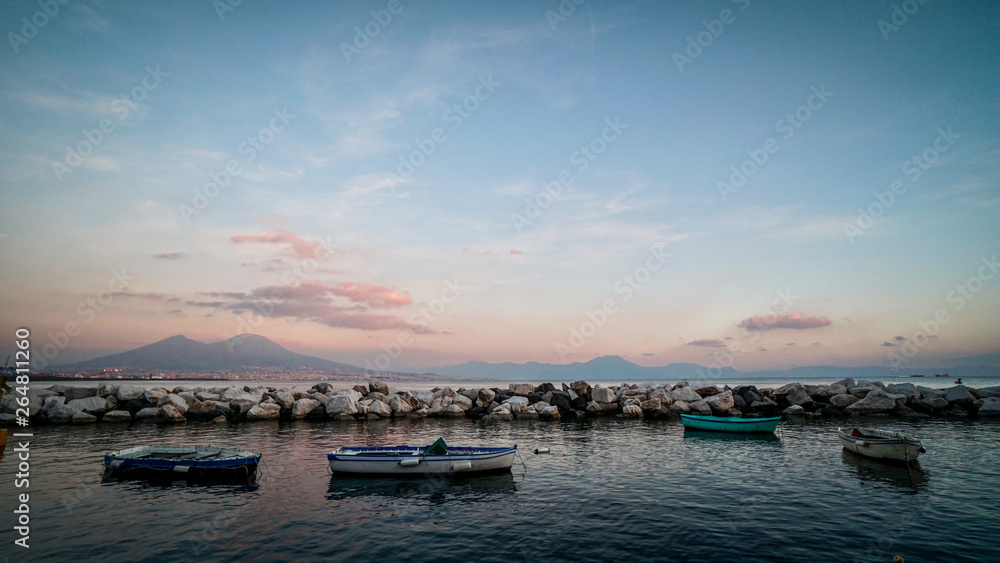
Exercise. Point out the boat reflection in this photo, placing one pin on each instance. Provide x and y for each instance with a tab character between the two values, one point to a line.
876	471
694	435
219	486
438	490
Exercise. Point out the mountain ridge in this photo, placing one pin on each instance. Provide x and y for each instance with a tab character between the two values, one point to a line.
180	353
597	369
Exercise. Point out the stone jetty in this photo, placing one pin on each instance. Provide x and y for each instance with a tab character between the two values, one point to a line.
113	403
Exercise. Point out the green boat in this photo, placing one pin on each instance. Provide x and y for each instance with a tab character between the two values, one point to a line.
730	424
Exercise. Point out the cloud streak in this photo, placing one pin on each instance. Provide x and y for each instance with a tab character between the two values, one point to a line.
771	322
372	295
708	343
298	247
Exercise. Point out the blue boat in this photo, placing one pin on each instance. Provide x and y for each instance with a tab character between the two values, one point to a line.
730	424
181	461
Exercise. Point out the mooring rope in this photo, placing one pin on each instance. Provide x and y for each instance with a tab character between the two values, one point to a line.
523	466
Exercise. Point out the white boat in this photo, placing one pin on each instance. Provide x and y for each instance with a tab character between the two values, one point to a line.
881	444
435	459
186	461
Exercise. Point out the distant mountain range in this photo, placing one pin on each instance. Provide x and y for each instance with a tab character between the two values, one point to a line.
610	368
603	368
180	353
249	353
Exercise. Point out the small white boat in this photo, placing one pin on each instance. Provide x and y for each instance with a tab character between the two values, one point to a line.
181	461
881	444
435	459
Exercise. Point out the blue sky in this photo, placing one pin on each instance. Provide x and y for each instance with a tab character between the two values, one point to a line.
321	241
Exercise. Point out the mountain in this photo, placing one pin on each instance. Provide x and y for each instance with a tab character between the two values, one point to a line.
616	368
179	353
599	369
986	360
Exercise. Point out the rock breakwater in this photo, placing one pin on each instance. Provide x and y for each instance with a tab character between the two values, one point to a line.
112	403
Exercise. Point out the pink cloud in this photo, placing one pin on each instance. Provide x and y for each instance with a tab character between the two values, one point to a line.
371	294
515	252
769	322
300	247
330	315
313	301
709	343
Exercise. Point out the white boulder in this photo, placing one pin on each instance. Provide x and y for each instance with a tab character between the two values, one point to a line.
117	416
399	405
302	407
175	401
264	411
603	395
130	393
90	405
632	411
462	402
685	394
380	408
341	405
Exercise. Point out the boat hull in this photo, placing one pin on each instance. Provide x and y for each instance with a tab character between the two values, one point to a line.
730	424
406	461
192	462
885	446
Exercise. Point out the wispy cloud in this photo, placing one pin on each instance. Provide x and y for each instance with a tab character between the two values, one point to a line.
716	343
771	322
149	295
298	247
371	294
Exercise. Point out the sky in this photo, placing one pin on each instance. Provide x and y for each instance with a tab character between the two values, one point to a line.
412	184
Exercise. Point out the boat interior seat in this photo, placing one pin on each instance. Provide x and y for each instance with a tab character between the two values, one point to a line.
857	433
